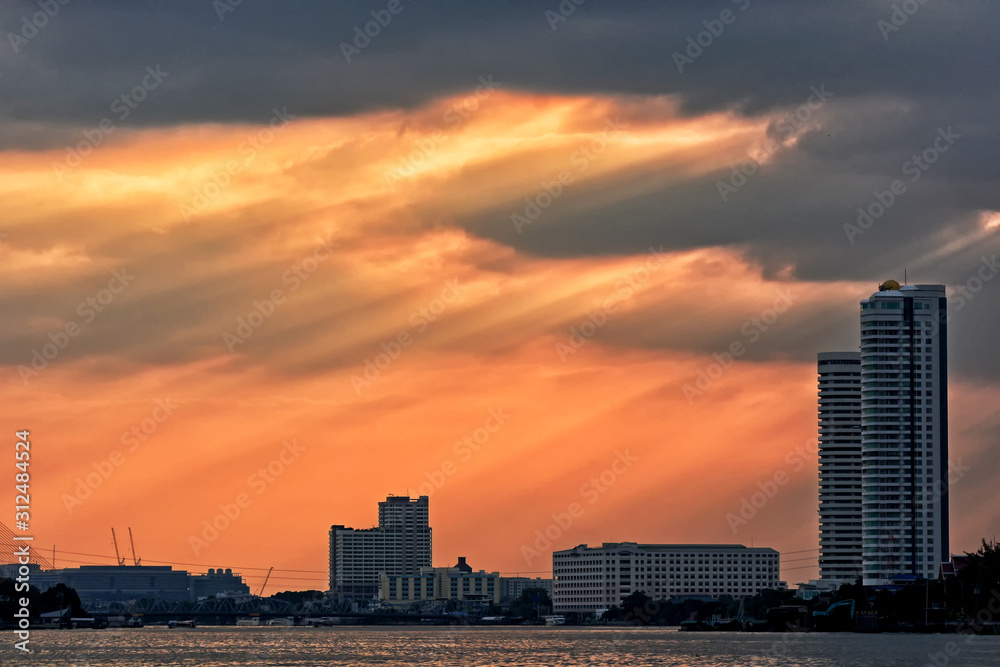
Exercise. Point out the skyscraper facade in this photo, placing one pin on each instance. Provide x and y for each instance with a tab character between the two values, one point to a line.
840	542
904	431
400	545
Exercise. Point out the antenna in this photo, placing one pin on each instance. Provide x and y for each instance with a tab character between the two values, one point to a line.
119	559
134	560
904	274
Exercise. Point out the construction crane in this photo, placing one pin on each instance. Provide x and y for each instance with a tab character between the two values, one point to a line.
119	559
260	593
135	561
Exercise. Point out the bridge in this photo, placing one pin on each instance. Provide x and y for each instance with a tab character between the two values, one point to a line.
226	611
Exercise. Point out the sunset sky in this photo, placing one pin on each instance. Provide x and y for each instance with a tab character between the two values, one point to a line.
237	239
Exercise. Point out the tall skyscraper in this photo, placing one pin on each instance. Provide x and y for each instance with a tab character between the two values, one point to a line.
904	431
840	543
400	545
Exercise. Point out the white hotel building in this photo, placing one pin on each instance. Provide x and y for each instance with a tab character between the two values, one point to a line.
590	579
904	431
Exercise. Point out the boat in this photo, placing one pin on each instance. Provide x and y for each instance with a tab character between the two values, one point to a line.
181	624
281	621
555	620
253	621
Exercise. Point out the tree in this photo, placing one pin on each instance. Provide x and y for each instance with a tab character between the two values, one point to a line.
985	563
526	606
613	613
982	574
10	600
58	598
639	609
298	597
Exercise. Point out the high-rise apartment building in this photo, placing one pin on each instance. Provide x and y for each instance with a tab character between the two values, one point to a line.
400	545
904	431
410	519
840	542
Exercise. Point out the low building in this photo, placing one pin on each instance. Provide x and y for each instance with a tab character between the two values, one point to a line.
512	587
590	579
217	582
459	582
127	582
13	570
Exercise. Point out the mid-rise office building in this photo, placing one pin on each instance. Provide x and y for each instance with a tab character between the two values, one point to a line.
839	467
400	545
441	583
512	587
904	431
591	579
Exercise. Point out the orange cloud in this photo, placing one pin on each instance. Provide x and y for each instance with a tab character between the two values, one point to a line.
395	335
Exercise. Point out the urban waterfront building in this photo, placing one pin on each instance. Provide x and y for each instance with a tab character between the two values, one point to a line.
592	579
102	583
217	582
840	543
400	545
904	432
459	582
512	587
127	582
36	575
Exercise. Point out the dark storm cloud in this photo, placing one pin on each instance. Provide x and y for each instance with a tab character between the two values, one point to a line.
766	57
891	91
895	86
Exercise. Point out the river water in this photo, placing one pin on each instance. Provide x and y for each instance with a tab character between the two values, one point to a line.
465	647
